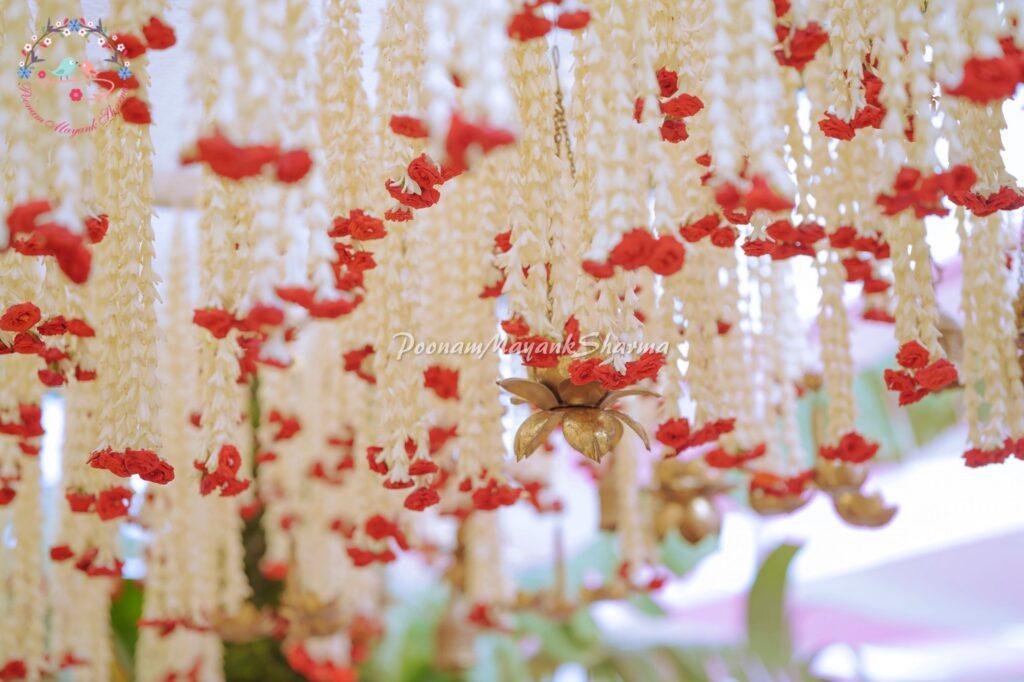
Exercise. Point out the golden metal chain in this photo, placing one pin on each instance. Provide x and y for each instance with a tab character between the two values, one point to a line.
561	124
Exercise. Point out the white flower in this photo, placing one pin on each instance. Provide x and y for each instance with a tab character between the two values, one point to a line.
113	37
101	41
120	47
82	31
35	38
28	47
127	63
91	24
47	41
58	23
66	32
21	63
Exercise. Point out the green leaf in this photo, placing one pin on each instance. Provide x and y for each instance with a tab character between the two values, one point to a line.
767	624
645	605
125	611
257	661
680	557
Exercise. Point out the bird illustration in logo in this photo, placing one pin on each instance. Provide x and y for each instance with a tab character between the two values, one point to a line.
88	69
66	68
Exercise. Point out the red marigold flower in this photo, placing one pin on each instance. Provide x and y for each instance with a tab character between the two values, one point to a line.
133	46
526	26
912	355
96	227
937	375
134	110
408	126
293	165
442	381
159	36
113	502
79	327
421	498
675	433
217	322
634	250
667	257
20	317
835	127
573	21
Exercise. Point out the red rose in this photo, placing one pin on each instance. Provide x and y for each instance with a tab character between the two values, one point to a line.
673	130
20	317
60	553
79	327
27	344
674	433
217	322
96	227
113	502
667	257
725	236
292	166
161	473
421	498
699	229
408	126
51	378
634	250
442	381
134	110
937	375
856	269
598	270
159	36
364	227
526	26
572	21
55	326
646	366
681	105
842	237
584	371
668	82
912	355
758	247
835	127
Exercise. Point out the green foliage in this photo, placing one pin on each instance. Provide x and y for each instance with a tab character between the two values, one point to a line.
406	654
125	611
680	557
768	630
599	558
259	661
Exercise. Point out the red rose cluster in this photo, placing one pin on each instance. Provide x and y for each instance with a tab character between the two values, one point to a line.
527	23
1004	199
408	126
920	375
798	47
26	428
870	115
24	321
861	258
758	196
678	435
422	497
674	106
225	476
144	463
785	241
638	248
977	457
502	244
539	351
467	137
491	495
234	162
589	370
923	193
994	78
30	238
427	176
719	458
852	448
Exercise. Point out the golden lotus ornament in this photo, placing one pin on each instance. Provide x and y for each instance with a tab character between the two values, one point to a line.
866	511
766	504
248	624
838	477
310	616
584	412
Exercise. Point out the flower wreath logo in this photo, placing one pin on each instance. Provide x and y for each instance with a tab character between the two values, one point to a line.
73	77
